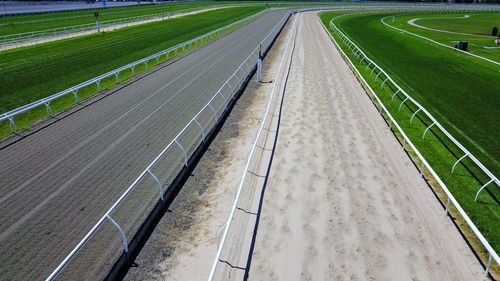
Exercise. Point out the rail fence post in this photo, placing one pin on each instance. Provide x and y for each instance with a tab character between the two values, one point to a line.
383	83
75	94
224	98
427	129
401	105
219	233
216	117
394	95
49	110
201	129
447	209
489	264
12	124
414	114
482	187
456	163
368	65
117	79
183	152
120	230
158	183
259	65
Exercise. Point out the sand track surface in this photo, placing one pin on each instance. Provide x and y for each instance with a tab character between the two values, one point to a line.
343	201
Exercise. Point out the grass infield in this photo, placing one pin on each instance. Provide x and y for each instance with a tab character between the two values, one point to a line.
471	24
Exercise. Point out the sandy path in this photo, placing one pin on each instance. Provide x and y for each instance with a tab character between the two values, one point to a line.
343	200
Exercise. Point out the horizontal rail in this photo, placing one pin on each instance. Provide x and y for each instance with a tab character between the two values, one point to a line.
247	65
492	253
96	80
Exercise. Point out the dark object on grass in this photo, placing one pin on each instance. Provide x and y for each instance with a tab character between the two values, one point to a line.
494	31
462	45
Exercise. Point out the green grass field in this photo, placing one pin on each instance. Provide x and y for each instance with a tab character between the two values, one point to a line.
32	23
31	73
21	24
480	24
459	91
467	23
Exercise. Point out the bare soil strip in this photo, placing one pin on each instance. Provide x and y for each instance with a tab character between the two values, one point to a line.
343	201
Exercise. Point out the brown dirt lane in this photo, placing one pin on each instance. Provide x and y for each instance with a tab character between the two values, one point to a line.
56	183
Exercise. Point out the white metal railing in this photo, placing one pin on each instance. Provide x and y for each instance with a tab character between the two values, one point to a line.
226	227
42	36
176	50
199	125
361	57
8	14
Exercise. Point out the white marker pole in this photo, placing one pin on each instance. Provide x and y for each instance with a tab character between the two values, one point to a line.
259	66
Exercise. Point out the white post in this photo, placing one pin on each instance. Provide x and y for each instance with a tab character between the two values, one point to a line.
259	70
259	65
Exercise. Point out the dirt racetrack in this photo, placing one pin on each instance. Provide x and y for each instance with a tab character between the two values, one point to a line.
343	201
56	183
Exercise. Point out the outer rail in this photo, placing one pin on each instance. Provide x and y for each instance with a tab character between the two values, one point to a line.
361	56
231	85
